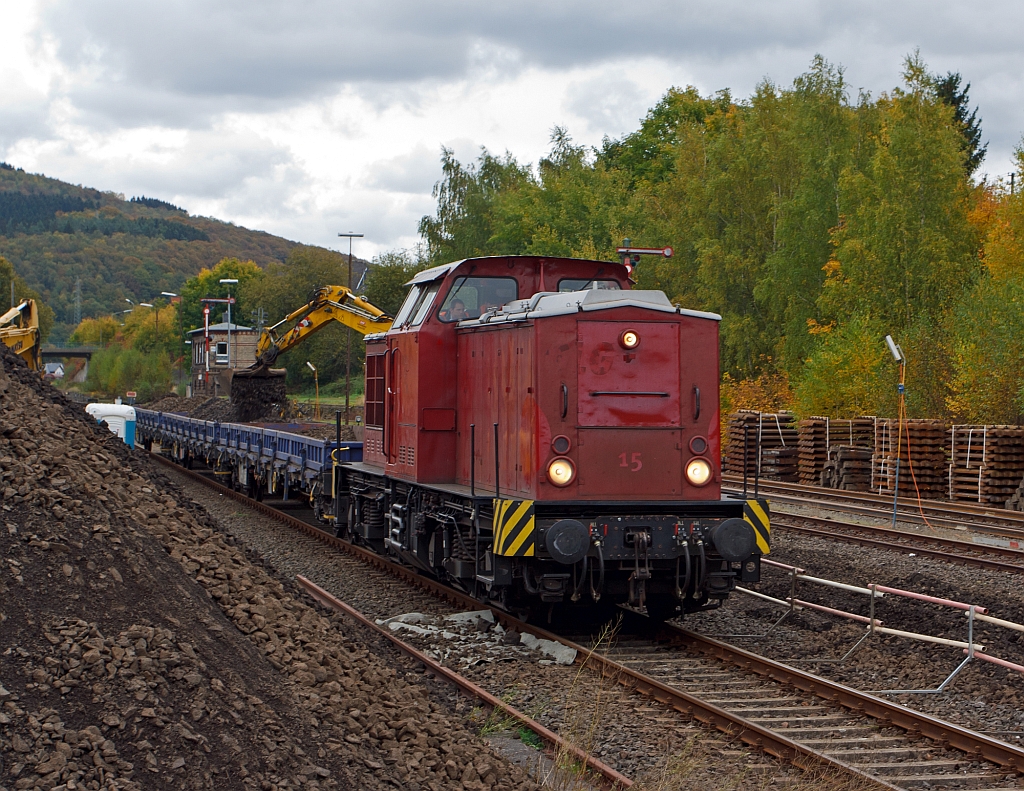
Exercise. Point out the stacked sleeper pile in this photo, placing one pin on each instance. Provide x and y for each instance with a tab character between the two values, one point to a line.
847	468
922	447
774	433
986	463
820	436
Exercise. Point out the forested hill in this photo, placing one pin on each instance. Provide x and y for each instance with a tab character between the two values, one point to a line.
55	233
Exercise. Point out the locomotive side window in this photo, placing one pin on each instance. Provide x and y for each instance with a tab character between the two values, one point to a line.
417	305
375	390
472	296
580	284
423	305
410	302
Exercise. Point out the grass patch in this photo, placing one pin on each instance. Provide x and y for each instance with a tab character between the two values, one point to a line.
529	738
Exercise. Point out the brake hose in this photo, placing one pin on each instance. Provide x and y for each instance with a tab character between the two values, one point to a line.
596	594
583	578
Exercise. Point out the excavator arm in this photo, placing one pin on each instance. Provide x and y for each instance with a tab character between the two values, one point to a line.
19	331
330	303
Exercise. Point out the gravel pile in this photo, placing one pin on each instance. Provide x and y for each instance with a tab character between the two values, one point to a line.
212	408
140	647
221	410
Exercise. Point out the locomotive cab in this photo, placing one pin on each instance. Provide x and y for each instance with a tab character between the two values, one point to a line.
538	432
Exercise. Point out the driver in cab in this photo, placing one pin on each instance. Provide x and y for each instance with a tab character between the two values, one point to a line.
456	311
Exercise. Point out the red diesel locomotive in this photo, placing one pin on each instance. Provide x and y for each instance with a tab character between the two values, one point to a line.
538	432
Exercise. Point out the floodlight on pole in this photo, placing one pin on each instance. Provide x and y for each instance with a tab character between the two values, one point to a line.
897	352
901	410
229	281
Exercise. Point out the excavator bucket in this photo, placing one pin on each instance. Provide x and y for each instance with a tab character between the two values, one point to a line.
257	392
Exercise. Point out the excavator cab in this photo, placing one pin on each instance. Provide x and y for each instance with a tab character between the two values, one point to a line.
19	331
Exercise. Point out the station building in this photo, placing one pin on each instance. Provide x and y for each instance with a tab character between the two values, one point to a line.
213	356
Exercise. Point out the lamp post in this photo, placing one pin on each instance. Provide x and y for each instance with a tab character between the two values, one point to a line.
316	380
151	305
171	296
901	361
229	281
348	332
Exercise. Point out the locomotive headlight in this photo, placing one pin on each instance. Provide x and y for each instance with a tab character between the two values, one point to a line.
629	339
561	472
698	471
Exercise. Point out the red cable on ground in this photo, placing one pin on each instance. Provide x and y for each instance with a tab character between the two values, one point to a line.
902	412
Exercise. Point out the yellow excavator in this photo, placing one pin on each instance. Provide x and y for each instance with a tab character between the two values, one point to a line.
19	331
253	388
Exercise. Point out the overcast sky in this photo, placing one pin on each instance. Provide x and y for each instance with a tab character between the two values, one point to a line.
310	117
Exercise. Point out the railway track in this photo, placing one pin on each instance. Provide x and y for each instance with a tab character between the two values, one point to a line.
794	715
963	553
960	515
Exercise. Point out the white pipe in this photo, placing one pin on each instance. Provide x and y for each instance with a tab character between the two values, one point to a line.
927	638
840	585
997	621
776	564
762	596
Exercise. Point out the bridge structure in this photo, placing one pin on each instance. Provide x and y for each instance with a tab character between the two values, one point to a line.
63	351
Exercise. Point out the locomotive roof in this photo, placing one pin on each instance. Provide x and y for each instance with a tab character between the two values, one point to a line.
437	272
548	303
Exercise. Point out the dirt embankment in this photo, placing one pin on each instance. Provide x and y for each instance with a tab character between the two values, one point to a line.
140	648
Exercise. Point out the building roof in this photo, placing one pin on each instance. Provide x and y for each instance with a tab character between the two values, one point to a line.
221	327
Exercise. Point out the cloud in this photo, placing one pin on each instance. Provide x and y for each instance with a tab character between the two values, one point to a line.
610	103
312	117
416	171
245	50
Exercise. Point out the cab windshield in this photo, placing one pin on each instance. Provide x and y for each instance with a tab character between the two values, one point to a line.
471	297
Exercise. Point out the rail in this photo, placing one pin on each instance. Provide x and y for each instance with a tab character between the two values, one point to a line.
958	513
965	553
612	778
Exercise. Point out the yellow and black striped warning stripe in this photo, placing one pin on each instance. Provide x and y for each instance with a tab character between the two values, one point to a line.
758	515
514	525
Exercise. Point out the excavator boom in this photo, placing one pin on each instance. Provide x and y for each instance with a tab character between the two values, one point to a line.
330	303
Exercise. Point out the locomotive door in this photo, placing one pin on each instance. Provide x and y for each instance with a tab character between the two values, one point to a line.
629	413
515	409
393	387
